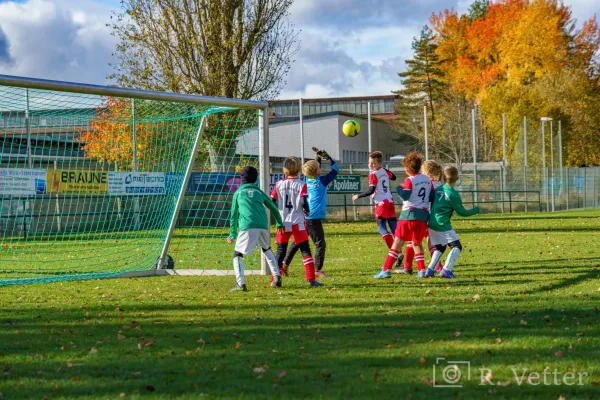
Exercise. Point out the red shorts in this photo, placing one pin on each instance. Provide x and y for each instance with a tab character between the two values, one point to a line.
386	210
411	231
298	235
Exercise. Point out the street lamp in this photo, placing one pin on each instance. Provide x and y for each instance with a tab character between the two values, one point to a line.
544	173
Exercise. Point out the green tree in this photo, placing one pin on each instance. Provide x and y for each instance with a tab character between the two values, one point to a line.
423	85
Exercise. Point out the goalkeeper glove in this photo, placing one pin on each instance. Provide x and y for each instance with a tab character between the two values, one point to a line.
321	153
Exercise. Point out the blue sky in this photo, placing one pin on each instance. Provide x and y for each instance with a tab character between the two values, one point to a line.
348	47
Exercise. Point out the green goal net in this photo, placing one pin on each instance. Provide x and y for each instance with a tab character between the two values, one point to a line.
90	183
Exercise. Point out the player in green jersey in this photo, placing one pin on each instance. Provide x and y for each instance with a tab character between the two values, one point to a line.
446	202
249	218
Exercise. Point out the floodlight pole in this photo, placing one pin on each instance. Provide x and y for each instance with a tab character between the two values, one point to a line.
369	126
265	168
525	159
552	164
503	158
544	172
474	156
301	132
425	132
560	159
162	261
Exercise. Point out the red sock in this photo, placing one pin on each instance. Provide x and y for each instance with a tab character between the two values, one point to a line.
420	259
409	254
388	239
431	251
309	267
390	260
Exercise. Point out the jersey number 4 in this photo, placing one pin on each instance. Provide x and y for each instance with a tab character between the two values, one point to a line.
288	204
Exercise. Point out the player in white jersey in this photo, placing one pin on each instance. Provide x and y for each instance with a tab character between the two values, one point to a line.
417	193
433	171
291	196
381	193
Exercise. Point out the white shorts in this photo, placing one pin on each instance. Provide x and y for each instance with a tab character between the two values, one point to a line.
442	238
247	240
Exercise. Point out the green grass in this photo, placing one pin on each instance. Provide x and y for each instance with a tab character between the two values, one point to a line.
527	297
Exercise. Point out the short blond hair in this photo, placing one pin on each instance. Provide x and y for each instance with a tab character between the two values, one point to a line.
432	169
376	156
450	175
310	168
291	166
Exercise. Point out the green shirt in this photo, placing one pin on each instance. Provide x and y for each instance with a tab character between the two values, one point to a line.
248	211
446	201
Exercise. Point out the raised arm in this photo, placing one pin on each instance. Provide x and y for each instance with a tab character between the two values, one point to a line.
327	179
457	205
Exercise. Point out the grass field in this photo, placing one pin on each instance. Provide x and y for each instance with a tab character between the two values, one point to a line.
526	299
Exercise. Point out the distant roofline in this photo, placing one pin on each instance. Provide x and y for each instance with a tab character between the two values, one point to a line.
327	99
281	120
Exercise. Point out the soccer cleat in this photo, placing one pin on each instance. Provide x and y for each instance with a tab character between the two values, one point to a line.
404	271
399	261
421	274
239	288
429	273
283	271
320	274
383	274
276	282
314	284
447	274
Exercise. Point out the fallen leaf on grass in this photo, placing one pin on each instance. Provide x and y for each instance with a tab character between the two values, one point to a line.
498	340
422	360
69	364
149	344
119	336
476	297
75	378
93	350
237	345
390	346
523	322
122	394
559	354
282	374
457	334
258	370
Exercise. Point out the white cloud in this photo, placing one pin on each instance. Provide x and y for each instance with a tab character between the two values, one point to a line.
64	39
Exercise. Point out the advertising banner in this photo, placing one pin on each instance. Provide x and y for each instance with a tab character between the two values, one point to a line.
136	183
77	182
19	182
345	184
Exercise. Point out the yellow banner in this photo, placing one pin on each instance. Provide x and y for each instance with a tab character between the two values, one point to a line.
77	182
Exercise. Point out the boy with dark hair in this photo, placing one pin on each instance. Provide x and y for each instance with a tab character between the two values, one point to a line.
446	202
379	190
416	194
317	200
248	216
291	195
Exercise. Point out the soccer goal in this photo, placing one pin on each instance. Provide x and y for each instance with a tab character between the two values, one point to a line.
99	181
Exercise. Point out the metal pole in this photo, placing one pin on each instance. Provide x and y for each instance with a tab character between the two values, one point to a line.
567	188
301	133
560	160
544	180
369	126
503	157
552	164
162	261
474	156
136	199
265	166
28	131
525	159
32	83
425	130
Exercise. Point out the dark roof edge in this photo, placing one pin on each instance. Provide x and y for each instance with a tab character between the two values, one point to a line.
323	100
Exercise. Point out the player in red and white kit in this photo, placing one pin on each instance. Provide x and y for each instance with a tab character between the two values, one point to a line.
416	193
291	196
380	191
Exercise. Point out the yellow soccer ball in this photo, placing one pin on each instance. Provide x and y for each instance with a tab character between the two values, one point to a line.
351	128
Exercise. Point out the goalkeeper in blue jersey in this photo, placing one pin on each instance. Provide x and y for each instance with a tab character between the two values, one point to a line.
317	200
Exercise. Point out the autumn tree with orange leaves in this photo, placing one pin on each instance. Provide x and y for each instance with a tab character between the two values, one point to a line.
522	58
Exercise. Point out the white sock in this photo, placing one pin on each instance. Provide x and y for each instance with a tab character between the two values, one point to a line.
435	259
451	260
238	267
272	262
